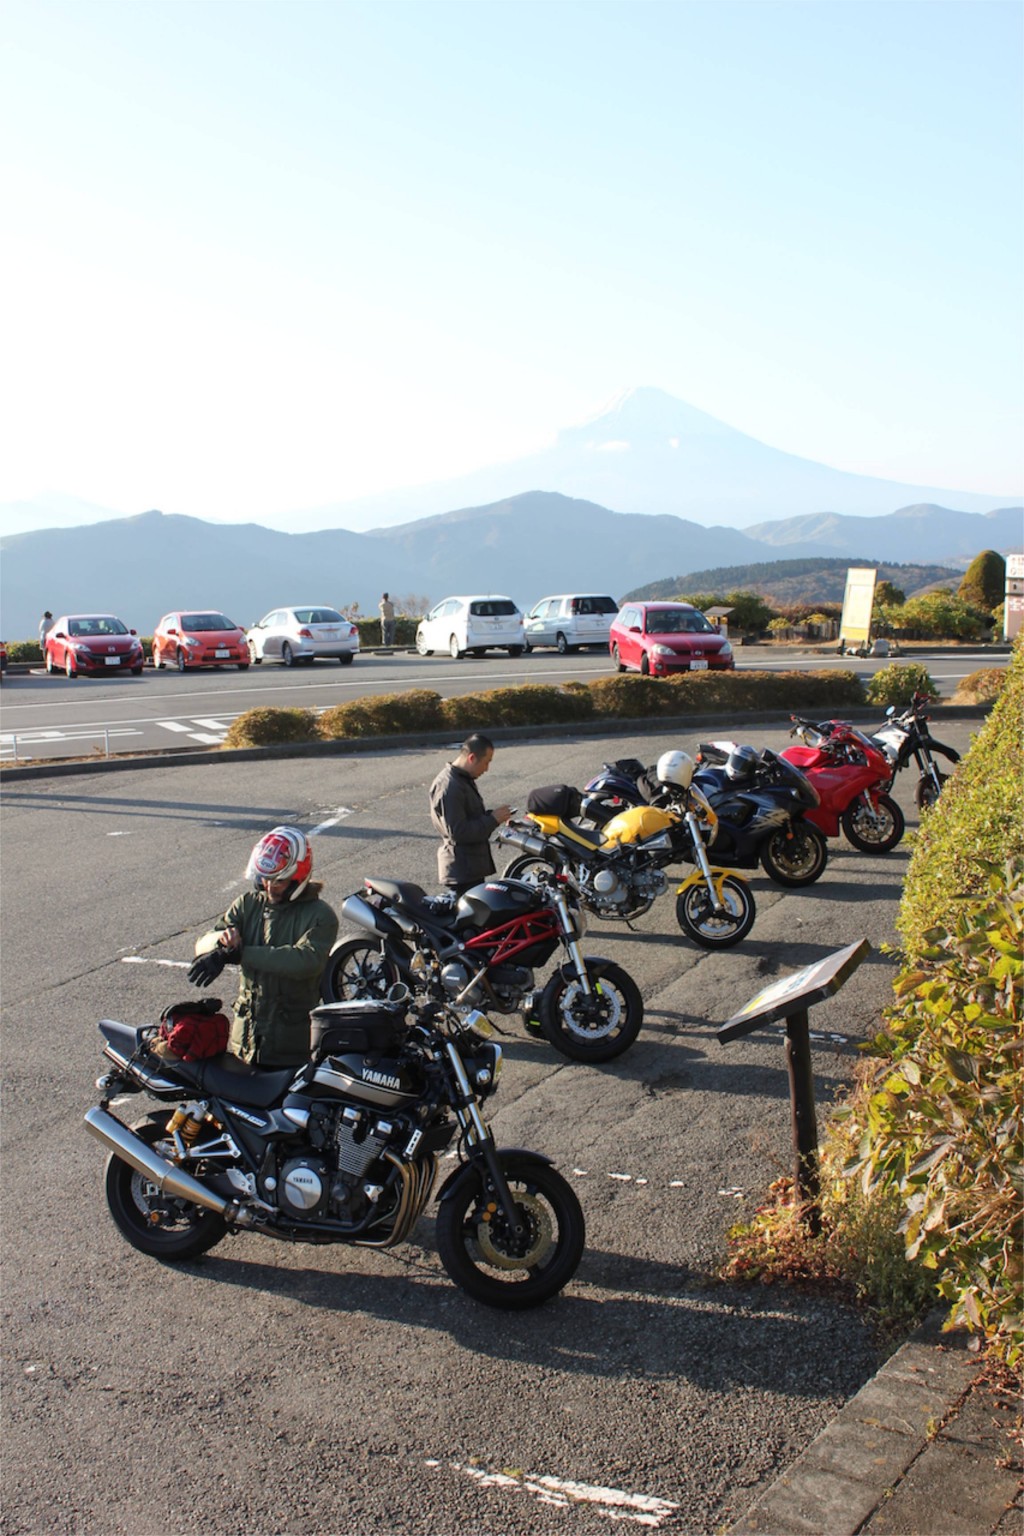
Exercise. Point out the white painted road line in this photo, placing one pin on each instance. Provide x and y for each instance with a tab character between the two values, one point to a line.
174	725
641	1508
212	725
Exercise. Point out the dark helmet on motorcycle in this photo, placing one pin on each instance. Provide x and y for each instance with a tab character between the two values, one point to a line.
741	763
675	768
283	854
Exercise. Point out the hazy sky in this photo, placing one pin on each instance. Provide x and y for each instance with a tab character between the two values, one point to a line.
267	255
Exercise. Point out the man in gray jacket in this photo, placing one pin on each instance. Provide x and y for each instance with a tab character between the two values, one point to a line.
458	812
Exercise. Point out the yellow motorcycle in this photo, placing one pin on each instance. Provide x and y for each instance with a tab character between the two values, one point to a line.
618	871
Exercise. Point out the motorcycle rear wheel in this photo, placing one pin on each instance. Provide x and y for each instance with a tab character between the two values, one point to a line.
507	1269
528	866
700	922
868	834
157	1224
795	857
595	1028
357	969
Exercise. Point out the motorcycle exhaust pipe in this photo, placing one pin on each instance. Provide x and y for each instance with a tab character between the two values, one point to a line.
167	1178
523	840
363	915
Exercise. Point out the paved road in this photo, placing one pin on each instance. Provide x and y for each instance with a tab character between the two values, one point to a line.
270	1388
53	717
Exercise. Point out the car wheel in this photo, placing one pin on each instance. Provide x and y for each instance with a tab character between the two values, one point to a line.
243	666
69	665
346	661
157	660
645	665
619	664
562	644
49	664
287	655
422	649
254	657
515	650
180	661
453	648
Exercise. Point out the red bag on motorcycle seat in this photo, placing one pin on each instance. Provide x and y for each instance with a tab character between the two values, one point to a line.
193	1031
560	800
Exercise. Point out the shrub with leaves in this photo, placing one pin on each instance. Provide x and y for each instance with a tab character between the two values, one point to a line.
944	1126
898	682
272	727
383	714
980	687
628	696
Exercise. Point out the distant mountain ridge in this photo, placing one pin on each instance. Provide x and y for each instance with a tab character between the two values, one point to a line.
527	546
794	581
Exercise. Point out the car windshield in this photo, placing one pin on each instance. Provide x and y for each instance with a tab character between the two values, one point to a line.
104	626
677	621
202	623
492	608
319	616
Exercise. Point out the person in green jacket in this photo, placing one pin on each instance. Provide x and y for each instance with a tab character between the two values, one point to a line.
279	935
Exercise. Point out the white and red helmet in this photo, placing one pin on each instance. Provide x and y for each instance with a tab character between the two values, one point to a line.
283	854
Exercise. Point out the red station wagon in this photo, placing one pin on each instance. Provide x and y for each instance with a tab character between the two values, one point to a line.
662	638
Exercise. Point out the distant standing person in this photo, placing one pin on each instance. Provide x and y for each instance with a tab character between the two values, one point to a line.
45	625
458	812
387	620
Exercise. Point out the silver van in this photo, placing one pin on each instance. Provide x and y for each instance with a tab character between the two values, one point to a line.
570	621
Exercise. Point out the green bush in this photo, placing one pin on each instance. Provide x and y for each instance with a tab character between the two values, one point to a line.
628	696
898	682
383	714
942	1123
272	727
980	687
470	712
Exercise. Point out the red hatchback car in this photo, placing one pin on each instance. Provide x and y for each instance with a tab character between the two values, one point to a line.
92	643
662	638
185	640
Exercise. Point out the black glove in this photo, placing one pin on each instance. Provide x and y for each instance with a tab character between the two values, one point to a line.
206	968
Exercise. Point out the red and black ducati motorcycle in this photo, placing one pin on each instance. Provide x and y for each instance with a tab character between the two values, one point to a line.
852	777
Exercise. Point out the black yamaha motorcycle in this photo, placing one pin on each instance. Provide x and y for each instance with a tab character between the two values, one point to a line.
341	1150
480	951
759	801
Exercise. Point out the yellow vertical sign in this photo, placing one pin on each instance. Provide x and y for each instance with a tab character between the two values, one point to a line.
858	601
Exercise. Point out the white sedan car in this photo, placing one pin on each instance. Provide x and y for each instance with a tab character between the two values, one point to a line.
291	635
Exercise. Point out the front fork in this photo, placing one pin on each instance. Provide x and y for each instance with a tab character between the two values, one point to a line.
478	1135
700	855
572	944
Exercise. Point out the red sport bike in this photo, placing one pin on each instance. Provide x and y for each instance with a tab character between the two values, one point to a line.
852	778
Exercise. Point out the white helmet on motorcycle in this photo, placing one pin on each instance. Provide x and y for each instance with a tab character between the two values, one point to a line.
741	763
283	854
675	768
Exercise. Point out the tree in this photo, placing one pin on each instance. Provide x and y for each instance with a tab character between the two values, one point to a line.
887	595
938	616
984	582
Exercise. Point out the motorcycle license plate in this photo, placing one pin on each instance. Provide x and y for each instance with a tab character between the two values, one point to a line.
698	666
112	661
222	655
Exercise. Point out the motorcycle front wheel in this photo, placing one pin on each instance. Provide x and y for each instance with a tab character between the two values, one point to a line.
160	1225
873	830
796	856
696	915
597	1027
926	792
502	1268
357	969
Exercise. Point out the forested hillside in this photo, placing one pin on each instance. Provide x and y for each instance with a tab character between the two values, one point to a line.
814	580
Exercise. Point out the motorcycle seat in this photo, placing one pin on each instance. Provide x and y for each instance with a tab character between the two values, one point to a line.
231	1078
410	897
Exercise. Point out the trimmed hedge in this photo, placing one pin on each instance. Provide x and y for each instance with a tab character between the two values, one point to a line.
626	696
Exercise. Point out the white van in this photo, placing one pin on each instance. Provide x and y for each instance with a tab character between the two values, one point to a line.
461	624
570	621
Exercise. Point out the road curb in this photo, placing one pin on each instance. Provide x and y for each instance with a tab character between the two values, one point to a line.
905	1414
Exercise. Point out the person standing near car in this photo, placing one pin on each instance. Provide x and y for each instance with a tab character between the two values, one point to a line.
45	625
387	620
279	934
458	812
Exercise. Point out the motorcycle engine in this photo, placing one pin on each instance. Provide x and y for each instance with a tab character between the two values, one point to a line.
335	1178
456	976
625	894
